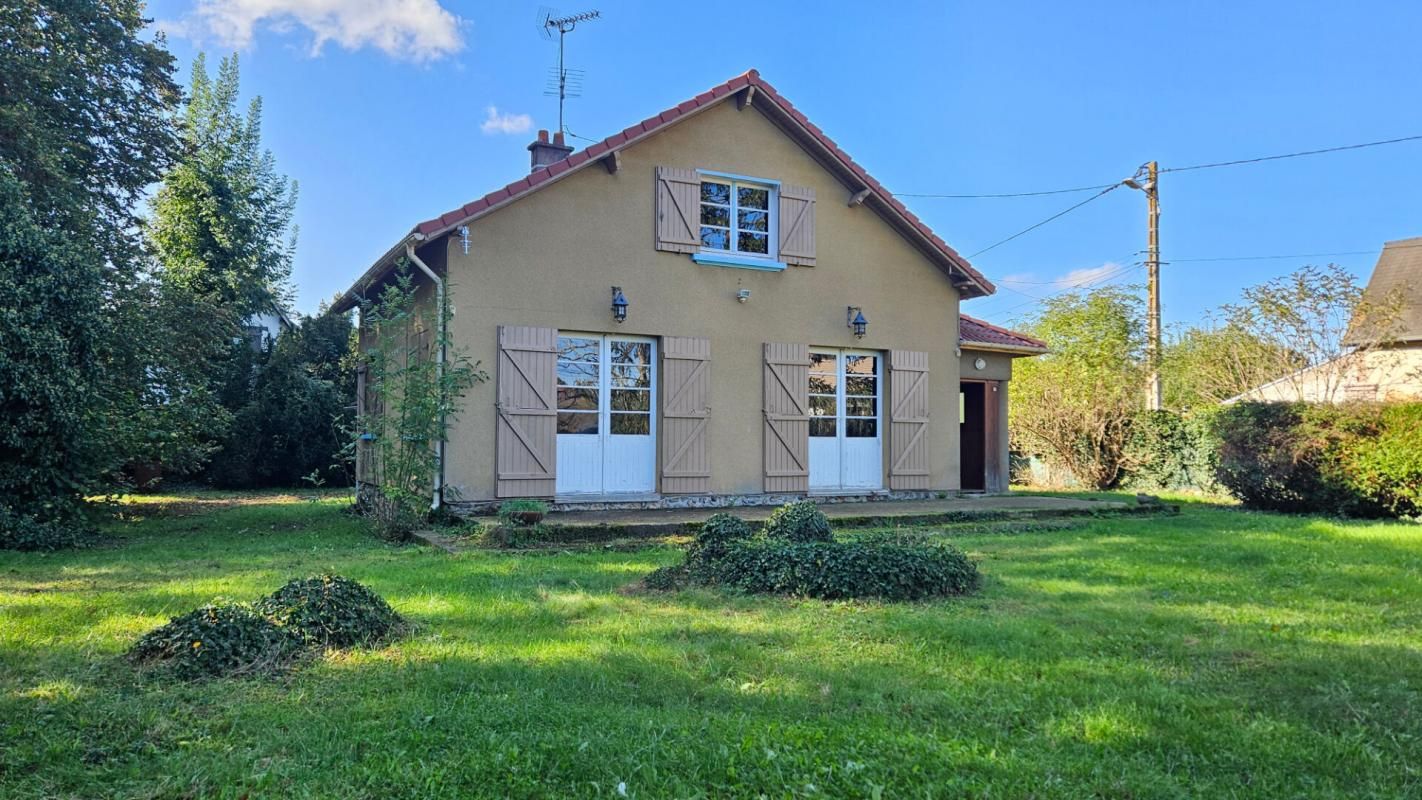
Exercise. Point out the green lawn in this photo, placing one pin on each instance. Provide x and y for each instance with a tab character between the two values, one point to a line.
1215	654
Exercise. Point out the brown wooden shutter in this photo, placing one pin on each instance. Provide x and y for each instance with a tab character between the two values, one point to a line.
995	475
797	225
527	435
908	420
787	418
686	407
678	210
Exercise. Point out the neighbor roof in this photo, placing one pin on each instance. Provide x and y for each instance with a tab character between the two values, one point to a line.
1399	269
976	334
765	98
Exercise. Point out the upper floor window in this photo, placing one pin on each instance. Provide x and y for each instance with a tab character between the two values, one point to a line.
736	216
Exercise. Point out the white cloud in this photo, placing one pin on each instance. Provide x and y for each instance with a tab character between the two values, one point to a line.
1080	278
497	122
409	30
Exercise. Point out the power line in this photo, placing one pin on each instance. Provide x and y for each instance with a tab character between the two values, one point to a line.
1008	194
1057	215
1292	155
1085	284
1371	252
1211	165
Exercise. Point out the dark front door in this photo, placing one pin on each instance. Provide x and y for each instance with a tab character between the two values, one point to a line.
972	435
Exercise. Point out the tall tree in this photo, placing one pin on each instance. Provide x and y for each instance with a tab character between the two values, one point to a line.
1074	405
1318	328
86	111
1205	365
221	225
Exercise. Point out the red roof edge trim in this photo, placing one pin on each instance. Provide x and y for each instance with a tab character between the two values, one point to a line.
974	330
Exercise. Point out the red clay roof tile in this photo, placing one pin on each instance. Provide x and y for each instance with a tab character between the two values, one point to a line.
973	330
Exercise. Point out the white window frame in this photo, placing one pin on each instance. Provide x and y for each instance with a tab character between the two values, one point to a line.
772	187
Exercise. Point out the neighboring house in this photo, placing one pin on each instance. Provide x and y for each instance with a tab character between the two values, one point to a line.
1377	367
263	328
747	246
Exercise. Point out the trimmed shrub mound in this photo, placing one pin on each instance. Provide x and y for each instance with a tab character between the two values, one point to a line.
221	639
842	570
796	555
233	639
716	536
20	532
799	522
331	611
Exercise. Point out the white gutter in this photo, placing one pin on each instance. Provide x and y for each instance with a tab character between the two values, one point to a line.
439	365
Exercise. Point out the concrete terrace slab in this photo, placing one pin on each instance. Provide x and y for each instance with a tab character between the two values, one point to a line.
852	513
603	526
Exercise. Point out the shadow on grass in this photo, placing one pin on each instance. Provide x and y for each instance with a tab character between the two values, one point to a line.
1212	654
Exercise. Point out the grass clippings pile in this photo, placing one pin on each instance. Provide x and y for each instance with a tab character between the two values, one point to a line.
231	639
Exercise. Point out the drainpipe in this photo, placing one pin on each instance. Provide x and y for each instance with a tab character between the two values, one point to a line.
439	365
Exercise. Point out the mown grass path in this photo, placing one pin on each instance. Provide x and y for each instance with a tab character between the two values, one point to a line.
1214	654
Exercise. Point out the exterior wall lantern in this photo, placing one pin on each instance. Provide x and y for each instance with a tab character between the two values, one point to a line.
854	318
619	305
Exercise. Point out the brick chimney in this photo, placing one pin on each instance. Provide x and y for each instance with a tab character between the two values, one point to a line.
544	152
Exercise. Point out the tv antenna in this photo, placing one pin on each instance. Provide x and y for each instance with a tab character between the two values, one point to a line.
563	82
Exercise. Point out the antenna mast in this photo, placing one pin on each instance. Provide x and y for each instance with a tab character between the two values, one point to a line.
568	82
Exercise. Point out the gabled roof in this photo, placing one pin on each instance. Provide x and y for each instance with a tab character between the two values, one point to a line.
1399	269
975	334
761	95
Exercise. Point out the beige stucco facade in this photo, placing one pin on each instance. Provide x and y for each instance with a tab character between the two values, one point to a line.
549	258
1388	374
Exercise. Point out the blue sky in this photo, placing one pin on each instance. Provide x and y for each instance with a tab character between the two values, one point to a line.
382	112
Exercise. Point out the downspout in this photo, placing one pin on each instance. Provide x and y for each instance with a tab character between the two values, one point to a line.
439	365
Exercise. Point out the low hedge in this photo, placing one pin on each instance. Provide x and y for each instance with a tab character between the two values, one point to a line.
795	554
843	570
1359	459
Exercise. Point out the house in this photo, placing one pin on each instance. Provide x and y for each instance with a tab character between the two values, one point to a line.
260	330
1384	360
716	306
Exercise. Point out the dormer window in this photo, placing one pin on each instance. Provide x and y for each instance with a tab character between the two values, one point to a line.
736	216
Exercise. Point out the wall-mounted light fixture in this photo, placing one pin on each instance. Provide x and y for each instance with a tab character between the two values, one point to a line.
742	295
619	305
854	319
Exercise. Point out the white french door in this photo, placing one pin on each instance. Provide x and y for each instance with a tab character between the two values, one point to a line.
846	444
606	428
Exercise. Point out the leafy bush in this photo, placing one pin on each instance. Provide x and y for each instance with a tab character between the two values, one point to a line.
798	522
19	532
839	570
1360	459
716	536
1273	456
1171	450
291	426
224	639
1386	470
331	611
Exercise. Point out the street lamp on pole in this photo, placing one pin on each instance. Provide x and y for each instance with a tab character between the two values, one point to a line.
1146	180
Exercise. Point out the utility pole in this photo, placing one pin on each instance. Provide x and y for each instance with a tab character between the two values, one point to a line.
1151	186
